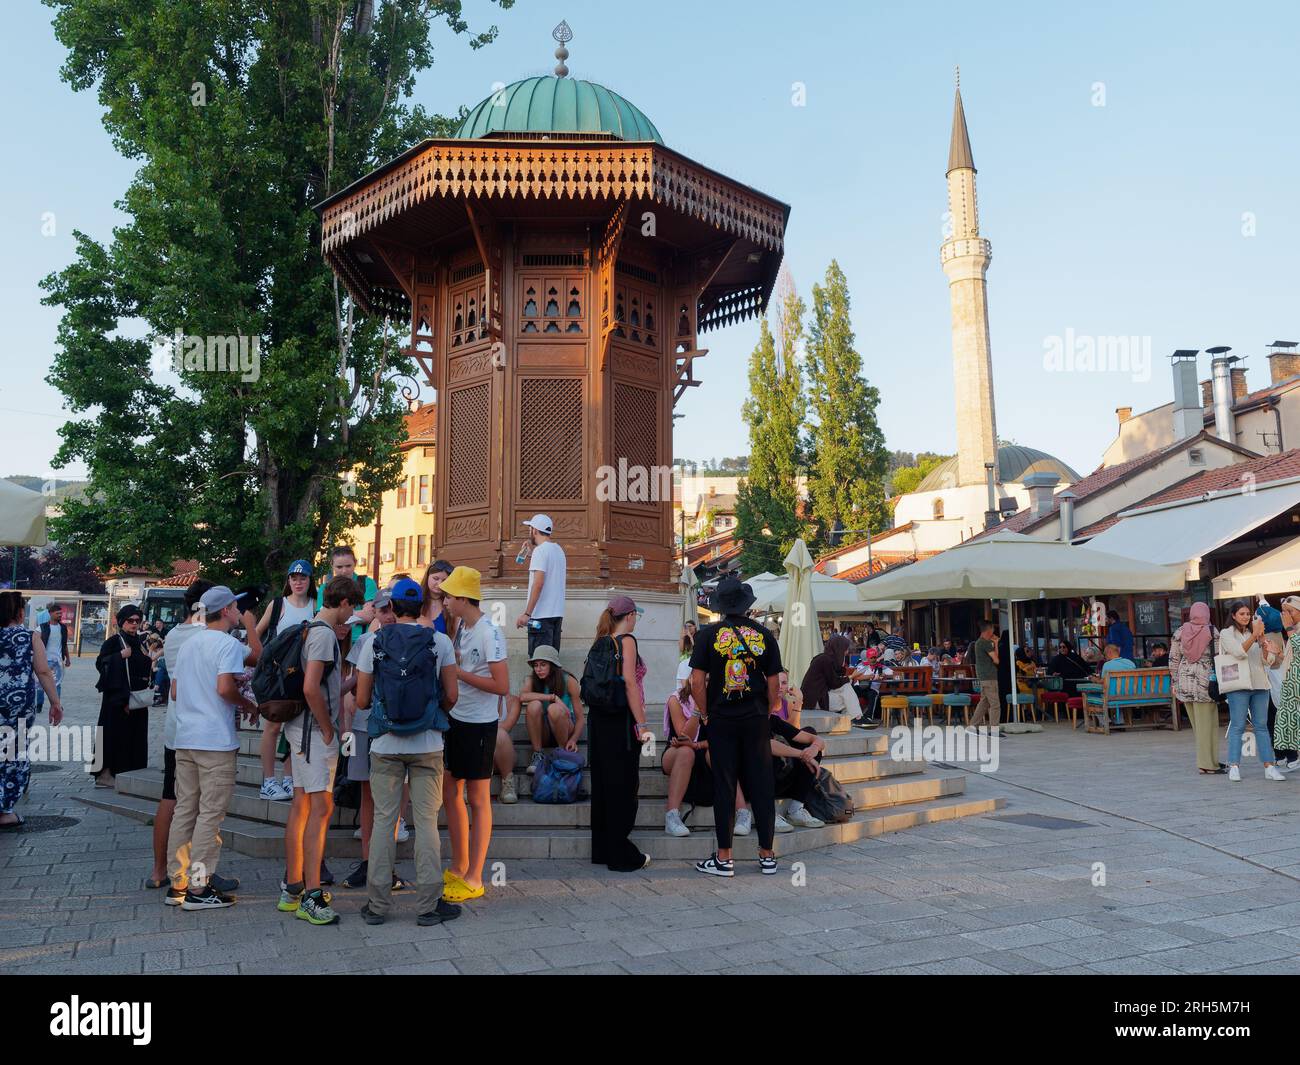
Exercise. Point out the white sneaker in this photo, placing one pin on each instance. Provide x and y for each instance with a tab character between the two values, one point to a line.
532	766
509	790
1292	765
744	823
286	790
1234	772
674	825
403	833
801	818
270	789
356	834
1272	772
782	825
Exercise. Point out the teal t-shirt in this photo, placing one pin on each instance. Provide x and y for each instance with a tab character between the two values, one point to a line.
371	591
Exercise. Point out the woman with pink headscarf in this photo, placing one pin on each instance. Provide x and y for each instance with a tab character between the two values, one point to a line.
1191	661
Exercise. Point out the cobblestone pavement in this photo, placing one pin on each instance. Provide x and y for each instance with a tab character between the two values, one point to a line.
1200	875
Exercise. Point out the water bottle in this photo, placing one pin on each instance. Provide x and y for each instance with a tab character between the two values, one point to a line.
535	625
522	557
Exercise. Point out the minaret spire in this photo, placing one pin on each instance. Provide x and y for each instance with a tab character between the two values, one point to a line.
965	256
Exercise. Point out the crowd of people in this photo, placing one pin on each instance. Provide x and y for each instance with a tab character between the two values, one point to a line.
404	692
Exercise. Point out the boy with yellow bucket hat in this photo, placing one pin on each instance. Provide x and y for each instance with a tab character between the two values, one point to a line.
484	678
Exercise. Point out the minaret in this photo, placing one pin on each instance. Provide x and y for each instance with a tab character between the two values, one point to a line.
965	256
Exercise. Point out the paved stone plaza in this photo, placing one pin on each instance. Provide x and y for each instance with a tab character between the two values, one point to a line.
1200	876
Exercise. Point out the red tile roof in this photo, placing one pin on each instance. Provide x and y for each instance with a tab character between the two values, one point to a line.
702	550
880	563
1264	470
820	565
1103	478
421	426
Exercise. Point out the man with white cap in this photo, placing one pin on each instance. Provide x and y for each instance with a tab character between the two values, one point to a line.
547	576
207	702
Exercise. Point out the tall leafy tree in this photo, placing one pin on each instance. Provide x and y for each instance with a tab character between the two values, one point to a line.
848	461
767	502
242	115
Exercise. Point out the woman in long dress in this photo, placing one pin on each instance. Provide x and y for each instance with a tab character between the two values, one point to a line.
124	667
22	667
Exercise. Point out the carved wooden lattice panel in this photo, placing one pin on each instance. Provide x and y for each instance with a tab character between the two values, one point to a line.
636	426
555	305
467	470
550	438
636	315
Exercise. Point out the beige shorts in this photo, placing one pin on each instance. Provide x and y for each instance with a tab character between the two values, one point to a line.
316	773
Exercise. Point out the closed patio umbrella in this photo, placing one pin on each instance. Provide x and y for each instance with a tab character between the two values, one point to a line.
690	594
801	638
22	519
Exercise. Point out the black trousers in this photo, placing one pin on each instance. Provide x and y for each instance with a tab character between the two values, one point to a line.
793	780
740	751
615	779
548	631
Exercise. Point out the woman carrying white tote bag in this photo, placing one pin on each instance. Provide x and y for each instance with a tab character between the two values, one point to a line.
1239	669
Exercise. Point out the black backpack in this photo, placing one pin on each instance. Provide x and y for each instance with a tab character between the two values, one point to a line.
277	679
602	686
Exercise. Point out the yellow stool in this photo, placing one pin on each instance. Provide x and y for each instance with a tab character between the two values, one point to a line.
893	702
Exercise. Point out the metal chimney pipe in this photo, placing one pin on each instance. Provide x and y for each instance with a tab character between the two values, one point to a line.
991	515
1066	499
1221	376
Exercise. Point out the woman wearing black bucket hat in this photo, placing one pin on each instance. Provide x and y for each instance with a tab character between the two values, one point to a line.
735	682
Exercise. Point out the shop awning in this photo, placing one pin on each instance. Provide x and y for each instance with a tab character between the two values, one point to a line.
1274	571
1180	534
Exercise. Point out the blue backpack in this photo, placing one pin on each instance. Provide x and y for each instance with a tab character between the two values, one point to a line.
559	777
407	695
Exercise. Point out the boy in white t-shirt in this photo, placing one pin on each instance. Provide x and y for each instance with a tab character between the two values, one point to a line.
547	579
472	739
207	702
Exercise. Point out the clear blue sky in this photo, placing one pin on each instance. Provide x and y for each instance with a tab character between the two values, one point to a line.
1117	220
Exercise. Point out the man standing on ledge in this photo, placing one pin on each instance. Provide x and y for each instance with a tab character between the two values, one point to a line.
547	576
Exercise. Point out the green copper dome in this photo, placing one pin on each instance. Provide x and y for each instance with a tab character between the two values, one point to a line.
558	105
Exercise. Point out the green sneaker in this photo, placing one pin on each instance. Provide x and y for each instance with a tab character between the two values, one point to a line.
288	899
315	907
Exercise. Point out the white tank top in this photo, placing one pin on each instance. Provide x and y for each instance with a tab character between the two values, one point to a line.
294	615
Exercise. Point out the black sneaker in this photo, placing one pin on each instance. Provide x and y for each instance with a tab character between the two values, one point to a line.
174	896
224	885
369	916
356	878
767	866
326	877
209	900
444	911
715	866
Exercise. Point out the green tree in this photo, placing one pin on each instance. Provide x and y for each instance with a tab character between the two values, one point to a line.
242	115
848	460
767	501
907	478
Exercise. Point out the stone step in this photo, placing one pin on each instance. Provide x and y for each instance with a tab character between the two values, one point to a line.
262	840
246	803
836	730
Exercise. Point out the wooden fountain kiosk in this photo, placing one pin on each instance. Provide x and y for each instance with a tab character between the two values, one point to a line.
556	264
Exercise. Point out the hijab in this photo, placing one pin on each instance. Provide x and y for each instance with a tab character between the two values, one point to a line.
1195	632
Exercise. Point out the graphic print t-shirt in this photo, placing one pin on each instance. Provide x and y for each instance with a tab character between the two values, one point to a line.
738	655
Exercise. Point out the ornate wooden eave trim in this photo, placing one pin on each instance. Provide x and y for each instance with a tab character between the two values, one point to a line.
456	169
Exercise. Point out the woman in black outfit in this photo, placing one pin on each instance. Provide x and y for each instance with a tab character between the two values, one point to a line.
124	667
614	737
1069	666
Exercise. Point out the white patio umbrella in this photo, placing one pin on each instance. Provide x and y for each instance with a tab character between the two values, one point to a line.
801	637
830	595
22	519
1013	567
1010	565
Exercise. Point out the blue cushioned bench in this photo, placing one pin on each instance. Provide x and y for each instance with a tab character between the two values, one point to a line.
1124	692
